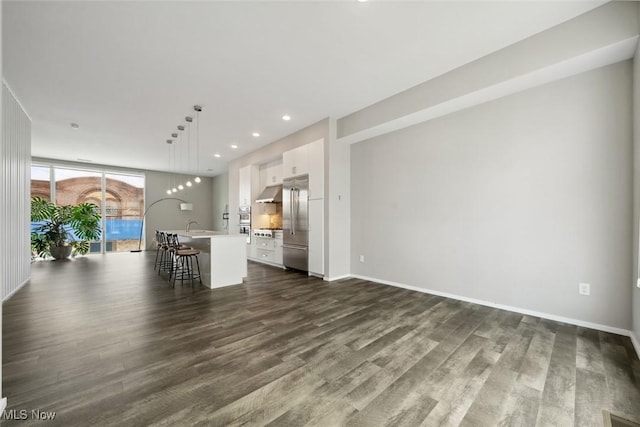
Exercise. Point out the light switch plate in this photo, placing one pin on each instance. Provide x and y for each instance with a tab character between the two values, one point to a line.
584	289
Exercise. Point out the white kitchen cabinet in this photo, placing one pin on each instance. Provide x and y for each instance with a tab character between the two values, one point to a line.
251	250
307	160
267	250
315	153
295	162
249	177
278	254
271	174
316	237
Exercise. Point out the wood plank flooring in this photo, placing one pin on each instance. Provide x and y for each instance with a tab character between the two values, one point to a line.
104	341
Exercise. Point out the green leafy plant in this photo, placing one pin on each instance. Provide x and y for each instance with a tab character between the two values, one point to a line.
59	224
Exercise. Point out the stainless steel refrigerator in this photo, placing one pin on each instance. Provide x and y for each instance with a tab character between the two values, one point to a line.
295	222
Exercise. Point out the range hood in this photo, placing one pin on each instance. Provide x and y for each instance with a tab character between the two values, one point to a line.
271	194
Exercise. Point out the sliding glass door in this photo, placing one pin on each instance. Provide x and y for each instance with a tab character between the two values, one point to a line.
120	197
123	214
73	186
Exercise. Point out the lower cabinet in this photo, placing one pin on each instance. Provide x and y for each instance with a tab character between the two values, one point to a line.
266	249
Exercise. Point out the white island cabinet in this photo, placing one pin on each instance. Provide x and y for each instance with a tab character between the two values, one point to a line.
222	258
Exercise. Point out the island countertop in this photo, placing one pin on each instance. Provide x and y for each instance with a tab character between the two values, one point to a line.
202	234
222	258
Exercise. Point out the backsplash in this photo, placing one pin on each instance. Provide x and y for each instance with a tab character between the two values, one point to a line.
260	220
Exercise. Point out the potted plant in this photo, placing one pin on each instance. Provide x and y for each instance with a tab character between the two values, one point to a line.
63	231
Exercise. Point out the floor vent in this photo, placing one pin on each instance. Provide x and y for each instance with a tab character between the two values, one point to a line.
611	420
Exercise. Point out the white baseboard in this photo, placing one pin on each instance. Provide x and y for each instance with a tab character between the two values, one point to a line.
331	279
272	264
3	404
12	293
636	342
597	326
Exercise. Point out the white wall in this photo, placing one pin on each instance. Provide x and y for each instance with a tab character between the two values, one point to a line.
512	202
220	186
337	207
597	38
15	204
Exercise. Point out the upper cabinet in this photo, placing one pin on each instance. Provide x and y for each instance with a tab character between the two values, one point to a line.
271	173
295	162
303	160
249	177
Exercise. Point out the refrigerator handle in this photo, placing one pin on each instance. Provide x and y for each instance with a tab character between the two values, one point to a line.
296	198
293	220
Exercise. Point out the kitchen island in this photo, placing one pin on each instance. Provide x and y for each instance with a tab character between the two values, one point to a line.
222	258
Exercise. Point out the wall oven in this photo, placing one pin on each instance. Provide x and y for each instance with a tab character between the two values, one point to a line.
245	221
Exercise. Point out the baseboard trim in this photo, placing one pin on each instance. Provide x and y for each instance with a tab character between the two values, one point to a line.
635	342
568	320
332	279
12	293
272	264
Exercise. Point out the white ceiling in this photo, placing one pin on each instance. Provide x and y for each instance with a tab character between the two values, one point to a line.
129	72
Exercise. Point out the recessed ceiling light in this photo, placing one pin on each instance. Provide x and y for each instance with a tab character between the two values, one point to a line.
216	155
255	134
362	1
75	126
234	146
286	117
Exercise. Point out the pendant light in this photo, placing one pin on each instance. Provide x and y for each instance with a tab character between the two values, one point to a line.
198	109
176	167
174	189
189	119
169	142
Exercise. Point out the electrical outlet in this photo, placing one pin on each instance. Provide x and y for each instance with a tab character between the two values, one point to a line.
584	289
361	258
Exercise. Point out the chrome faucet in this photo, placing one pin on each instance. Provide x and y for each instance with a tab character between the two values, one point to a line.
189	225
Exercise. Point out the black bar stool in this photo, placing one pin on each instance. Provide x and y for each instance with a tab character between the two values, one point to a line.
161	249
184	266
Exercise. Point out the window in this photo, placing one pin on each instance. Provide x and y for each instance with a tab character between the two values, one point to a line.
124	195
120	197
41	182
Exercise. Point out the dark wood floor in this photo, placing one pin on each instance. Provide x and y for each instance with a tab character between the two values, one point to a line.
102	340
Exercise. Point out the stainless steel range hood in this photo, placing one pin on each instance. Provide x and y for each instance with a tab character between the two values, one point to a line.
271	194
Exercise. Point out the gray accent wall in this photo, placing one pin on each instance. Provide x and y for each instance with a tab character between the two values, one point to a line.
512	202
635	301
167	214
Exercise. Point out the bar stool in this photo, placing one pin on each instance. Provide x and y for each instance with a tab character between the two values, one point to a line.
165	263
184	266
161	249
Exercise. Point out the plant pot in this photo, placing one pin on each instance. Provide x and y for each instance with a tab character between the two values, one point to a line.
60	252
